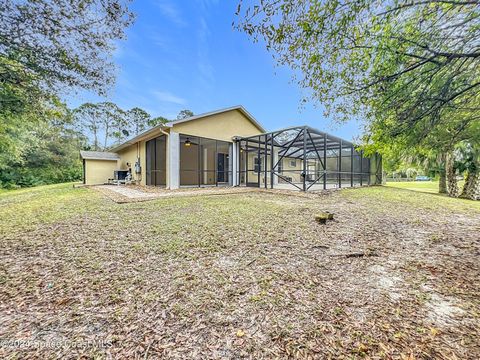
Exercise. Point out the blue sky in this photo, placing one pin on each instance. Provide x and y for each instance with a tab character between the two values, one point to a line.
186	55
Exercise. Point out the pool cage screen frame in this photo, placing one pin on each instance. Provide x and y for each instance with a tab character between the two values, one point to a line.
307	145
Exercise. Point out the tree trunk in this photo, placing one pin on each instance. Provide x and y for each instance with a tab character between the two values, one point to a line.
107	129
442	184
95	141
475	194
471	186
451	176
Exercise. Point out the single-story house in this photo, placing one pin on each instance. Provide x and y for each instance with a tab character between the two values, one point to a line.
230	147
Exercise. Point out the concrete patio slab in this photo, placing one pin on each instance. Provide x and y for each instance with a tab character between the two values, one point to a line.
133	193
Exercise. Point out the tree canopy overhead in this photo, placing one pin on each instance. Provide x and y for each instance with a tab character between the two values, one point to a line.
61	44
347	53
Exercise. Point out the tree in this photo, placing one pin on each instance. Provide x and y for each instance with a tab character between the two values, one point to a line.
43	150
183	114
433	161
88	121
347	53
110	116
451	174
47	48
138	119
157	121
60	44
18	92
468	160
411	172
109	122
120	126
103	120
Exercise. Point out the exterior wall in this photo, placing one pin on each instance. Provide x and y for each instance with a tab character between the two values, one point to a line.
143	162
222	126
99	171
130	155
293	172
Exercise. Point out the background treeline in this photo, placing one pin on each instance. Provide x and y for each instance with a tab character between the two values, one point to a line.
45	149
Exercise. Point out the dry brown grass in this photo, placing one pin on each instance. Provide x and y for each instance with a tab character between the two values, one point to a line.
239	276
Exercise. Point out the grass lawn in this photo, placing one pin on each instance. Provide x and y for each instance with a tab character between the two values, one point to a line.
423	186
252	275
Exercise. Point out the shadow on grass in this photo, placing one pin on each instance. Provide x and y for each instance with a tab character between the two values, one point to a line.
423	191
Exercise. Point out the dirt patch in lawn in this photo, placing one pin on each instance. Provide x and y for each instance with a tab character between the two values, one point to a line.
250	275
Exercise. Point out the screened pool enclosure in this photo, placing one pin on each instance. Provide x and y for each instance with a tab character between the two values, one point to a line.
297	158
305	159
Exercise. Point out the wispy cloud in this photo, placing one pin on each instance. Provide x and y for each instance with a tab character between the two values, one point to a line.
160	40
204	65
207	3
165	96
171	12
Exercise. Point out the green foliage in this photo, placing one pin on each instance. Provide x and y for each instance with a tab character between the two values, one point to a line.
61	44
42	154
183	114
27	177
43	148
350	54
47	48
157	121
138	120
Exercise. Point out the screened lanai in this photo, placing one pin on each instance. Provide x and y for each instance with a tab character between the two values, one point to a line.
303	158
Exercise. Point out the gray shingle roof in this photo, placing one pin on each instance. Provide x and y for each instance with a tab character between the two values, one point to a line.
98	155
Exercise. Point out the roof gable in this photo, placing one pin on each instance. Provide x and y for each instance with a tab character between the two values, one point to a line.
220	111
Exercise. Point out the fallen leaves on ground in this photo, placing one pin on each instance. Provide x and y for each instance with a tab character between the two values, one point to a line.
247	275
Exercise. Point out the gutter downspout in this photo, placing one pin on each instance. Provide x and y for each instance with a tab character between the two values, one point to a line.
164	132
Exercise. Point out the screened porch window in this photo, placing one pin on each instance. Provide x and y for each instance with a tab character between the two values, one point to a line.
204	162
257	165
156	159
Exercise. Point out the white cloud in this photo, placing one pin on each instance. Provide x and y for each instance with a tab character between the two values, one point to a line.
165	96
170	11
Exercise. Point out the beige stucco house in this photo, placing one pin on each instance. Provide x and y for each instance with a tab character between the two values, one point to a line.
230	147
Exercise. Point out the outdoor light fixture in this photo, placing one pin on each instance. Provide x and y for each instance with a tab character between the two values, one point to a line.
188	142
